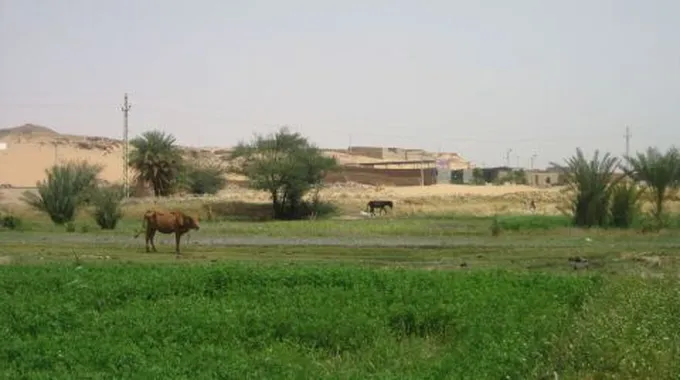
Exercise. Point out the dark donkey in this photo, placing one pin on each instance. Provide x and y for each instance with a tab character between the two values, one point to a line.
372	205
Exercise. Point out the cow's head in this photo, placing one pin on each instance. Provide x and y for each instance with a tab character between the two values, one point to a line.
191	222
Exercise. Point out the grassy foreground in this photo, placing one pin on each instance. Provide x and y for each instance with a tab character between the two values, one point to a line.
247	321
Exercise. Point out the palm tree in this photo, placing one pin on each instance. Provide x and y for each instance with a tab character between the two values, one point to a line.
157	160
591	183
659	171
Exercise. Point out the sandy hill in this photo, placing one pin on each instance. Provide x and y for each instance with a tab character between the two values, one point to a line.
31	149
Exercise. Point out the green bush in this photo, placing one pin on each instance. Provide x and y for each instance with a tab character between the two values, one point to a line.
495	226
207	179
625	206
65	189
317	209
107	206
11	222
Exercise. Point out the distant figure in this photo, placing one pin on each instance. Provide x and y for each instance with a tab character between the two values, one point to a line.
372	205
532	206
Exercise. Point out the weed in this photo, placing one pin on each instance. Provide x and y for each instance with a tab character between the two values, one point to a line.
11	222
495	226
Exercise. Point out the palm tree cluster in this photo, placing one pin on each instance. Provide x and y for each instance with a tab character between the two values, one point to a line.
602	197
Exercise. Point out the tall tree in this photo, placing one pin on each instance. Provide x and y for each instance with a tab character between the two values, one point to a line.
157	160
659	171
284	164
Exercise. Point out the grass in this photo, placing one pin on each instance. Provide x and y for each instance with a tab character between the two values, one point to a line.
432	225
94	304
279	322
619	254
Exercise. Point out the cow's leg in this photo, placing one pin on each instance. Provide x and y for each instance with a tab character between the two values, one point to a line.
178	236
147	239
152	234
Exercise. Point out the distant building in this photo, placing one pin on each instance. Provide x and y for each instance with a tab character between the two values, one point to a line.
543	178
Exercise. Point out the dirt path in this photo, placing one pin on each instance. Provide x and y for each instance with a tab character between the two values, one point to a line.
382	241
385	241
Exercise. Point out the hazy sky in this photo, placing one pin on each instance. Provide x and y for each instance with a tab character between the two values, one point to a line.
476	77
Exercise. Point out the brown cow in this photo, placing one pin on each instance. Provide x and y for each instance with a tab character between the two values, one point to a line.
166	222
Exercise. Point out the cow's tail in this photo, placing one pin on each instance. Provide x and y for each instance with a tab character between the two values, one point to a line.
144	224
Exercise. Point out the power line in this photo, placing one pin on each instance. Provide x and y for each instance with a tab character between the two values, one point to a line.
126	110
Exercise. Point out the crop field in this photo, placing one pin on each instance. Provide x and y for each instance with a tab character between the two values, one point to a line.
434	297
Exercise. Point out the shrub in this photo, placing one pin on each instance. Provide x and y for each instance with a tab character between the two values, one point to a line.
205	179
316	208
11	222
495	226
65	189
107	206
625	205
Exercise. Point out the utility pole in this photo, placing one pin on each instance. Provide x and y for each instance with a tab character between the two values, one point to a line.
627	136
533	157
507	157
56	156
126	145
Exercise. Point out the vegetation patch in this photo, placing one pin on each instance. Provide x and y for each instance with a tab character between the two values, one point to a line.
271	321
279	322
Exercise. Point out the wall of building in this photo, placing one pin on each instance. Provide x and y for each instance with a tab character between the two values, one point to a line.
387	177
391	153
542	178
368	151
401	166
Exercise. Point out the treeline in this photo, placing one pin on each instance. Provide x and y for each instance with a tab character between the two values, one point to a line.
288	167
600	197
285	164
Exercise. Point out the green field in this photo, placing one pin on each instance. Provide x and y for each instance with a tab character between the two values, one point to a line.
254	321
254	301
